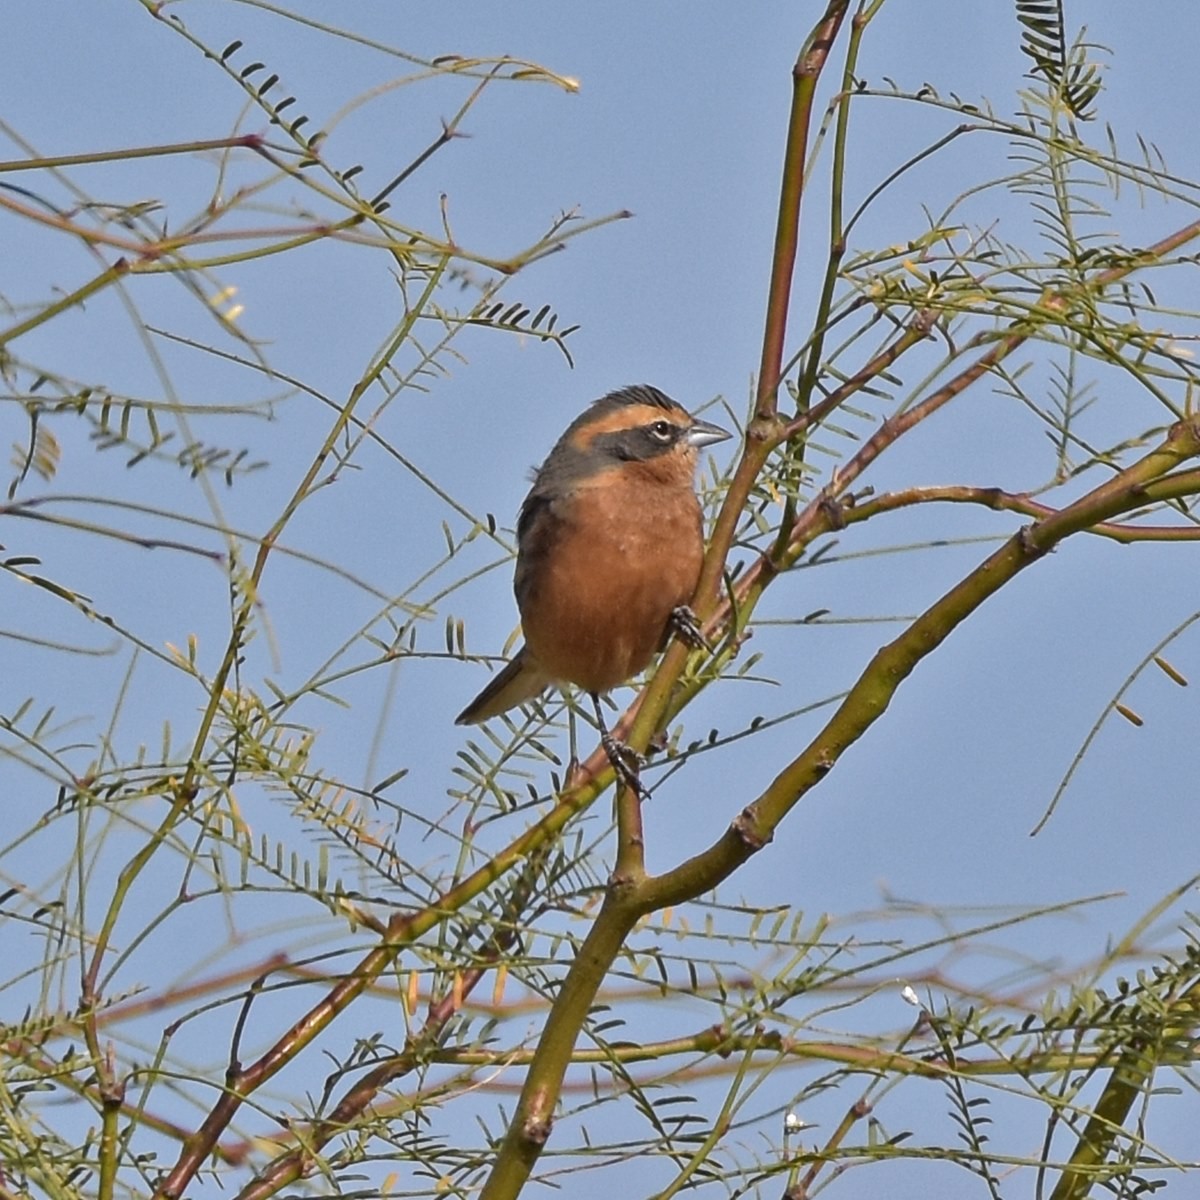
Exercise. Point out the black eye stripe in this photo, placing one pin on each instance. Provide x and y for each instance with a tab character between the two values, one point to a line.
638	442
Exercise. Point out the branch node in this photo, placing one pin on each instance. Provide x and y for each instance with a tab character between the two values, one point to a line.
620	882
1028	542
746	829
924	321
768	428
834	510
723	1048
536	1130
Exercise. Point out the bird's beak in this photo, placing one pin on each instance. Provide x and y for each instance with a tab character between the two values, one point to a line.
702	433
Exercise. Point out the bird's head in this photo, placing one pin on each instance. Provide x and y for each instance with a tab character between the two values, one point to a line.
638	429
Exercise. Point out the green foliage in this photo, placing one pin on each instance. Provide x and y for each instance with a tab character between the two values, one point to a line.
1074	80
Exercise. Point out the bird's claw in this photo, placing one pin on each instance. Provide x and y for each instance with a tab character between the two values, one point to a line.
686	627
626	764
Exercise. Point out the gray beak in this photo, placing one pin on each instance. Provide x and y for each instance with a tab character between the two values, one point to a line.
702	433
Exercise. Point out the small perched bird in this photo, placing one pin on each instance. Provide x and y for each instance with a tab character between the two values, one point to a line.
609	548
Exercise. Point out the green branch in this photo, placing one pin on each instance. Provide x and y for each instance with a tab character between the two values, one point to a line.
875	689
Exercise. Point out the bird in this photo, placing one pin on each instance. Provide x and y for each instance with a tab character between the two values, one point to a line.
610	543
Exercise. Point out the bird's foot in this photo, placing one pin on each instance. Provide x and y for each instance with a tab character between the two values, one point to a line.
626	763
686	626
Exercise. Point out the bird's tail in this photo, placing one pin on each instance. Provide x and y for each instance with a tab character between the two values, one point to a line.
520	680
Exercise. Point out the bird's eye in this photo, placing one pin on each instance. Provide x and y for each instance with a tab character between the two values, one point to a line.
662	431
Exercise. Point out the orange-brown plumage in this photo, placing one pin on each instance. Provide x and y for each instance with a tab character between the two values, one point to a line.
609	544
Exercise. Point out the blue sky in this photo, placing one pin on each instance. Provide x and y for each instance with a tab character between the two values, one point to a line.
678	118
